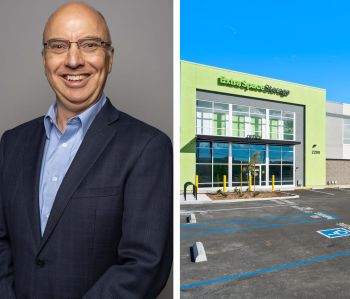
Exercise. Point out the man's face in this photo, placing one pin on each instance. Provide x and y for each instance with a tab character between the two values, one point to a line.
77	78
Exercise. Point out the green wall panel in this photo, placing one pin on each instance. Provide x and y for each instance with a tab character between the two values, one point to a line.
196	76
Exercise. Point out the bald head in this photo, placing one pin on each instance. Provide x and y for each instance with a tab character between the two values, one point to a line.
77	74
76	10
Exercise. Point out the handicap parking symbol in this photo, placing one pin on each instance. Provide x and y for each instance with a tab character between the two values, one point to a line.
335	233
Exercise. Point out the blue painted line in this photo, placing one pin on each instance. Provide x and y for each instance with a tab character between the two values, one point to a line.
258	272
204	227
226	230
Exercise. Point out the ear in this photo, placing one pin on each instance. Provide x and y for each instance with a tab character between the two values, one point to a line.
110	61
43	56
44	59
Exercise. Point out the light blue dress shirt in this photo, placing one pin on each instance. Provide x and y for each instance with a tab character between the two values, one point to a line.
60	150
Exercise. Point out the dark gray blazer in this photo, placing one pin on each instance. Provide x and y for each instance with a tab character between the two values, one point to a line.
109	234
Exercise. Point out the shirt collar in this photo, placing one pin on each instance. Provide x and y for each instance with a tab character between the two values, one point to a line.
86	117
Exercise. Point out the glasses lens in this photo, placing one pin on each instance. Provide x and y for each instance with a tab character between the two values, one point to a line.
58	46
89	45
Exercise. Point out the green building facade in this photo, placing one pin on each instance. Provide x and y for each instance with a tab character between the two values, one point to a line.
229	118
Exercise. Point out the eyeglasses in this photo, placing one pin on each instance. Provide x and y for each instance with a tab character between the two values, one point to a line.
86	45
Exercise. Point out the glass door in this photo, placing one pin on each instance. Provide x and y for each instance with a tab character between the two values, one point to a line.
260	175
256	176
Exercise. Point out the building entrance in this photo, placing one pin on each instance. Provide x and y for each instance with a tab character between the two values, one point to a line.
216	159
259	175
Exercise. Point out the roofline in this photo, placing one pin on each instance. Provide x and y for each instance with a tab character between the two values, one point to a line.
336	102
219	68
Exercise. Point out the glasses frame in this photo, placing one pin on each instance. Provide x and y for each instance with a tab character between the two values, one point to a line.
103	44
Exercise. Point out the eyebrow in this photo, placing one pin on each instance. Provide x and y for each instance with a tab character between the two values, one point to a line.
84	37
91	36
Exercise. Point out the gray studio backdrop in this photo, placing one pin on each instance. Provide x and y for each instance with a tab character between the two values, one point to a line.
141	80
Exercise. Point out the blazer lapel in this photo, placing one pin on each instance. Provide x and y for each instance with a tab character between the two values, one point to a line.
96	139
32	158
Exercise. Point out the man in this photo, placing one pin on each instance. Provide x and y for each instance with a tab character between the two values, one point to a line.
86	191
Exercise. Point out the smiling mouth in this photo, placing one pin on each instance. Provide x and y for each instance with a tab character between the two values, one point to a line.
75	78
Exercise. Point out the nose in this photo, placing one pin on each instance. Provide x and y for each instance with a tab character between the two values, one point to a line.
74	57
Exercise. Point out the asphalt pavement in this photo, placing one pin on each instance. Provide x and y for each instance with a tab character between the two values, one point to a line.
296	248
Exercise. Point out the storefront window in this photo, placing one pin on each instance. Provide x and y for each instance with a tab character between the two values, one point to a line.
288	125
212	118
220	152
287	155
240	153
256	116
204	117
281	164
276	171
274	124
204	163
239	115
256	126
211	163
203	152
218	174
220	121
238	126
204	175
220	162
236	175
274	128
287	175
275	154
259	151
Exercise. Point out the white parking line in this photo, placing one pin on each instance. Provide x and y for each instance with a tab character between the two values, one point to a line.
288	193
285	201
219	210
321	192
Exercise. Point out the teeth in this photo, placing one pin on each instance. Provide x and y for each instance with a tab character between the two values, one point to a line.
75	78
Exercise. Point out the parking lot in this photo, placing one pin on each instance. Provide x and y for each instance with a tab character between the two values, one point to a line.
269	249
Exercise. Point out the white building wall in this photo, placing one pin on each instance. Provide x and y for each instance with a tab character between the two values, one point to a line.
346	109
334	137
335	115
335	108
337	152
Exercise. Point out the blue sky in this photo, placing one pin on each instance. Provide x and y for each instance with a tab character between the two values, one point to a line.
306	42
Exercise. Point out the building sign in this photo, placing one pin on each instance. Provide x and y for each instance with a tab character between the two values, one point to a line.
253	137
253	87
316	152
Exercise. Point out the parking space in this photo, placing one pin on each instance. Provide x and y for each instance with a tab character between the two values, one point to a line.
269	249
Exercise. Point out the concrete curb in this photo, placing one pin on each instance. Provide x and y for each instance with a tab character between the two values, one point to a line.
199	253
197	202
319	187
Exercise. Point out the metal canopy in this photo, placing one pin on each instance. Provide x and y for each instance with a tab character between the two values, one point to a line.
246	140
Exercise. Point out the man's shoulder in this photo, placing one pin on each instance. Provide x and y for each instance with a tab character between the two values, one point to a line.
132	126
136	124
26	128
